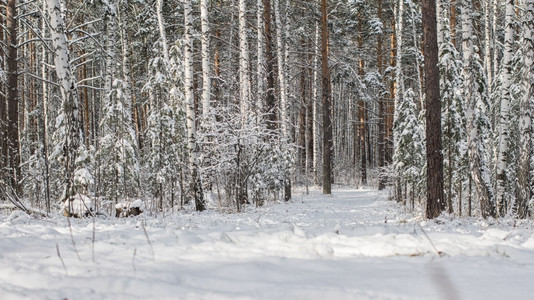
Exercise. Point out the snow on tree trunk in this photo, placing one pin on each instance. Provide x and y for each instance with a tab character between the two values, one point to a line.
270	103
260	76
487	42
126	64
524	186
44	101
244	74
190	108
206	80
161	28
327	102
381	107
504	118
111	29
416	49
315	109
69	93
399	91
474	93
281	69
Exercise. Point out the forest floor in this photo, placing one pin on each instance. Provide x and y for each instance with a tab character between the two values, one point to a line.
353	244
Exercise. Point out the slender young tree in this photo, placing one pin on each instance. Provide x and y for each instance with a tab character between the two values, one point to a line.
327	102
381	104
435	198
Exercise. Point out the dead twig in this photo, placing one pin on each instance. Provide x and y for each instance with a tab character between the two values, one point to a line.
60	258
148	240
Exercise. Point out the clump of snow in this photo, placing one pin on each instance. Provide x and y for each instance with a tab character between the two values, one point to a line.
18	216
126	209
78	206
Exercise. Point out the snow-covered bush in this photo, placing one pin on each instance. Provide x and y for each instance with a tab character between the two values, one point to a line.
78	206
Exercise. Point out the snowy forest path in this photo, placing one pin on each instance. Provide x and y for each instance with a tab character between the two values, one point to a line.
353	244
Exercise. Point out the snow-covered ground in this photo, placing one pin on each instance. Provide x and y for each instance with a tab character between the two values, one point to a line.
352	245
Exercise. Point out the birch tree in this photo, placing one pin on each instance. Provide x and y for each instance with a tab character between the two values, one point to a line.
196	184
69	95
205	39
244	74
504	110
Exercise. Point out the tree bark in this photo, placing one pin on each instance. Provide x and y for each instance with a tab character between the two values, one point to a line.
502	154
435	199
196	184
244	74
362	107
270	102
69	93
3	114
206	80
327	102
13	145
381	107
281	70
524	187
473	92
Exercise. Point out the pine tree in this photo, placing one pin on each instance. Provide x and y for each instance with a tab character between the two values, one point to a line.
409	157
478	125
453	120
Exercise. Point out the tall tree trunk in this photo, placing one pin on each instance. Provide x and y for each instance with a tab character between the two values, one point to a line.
244	95
69	93
260	67
390	107
504	118
13	144
161	28
206	80
362	108
453	22
3	113
196	184
270	102
398	89
126	63
327	102
282	56
381	107
488	42
244	74
44	116
524	187
435	199
281	70
315	109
